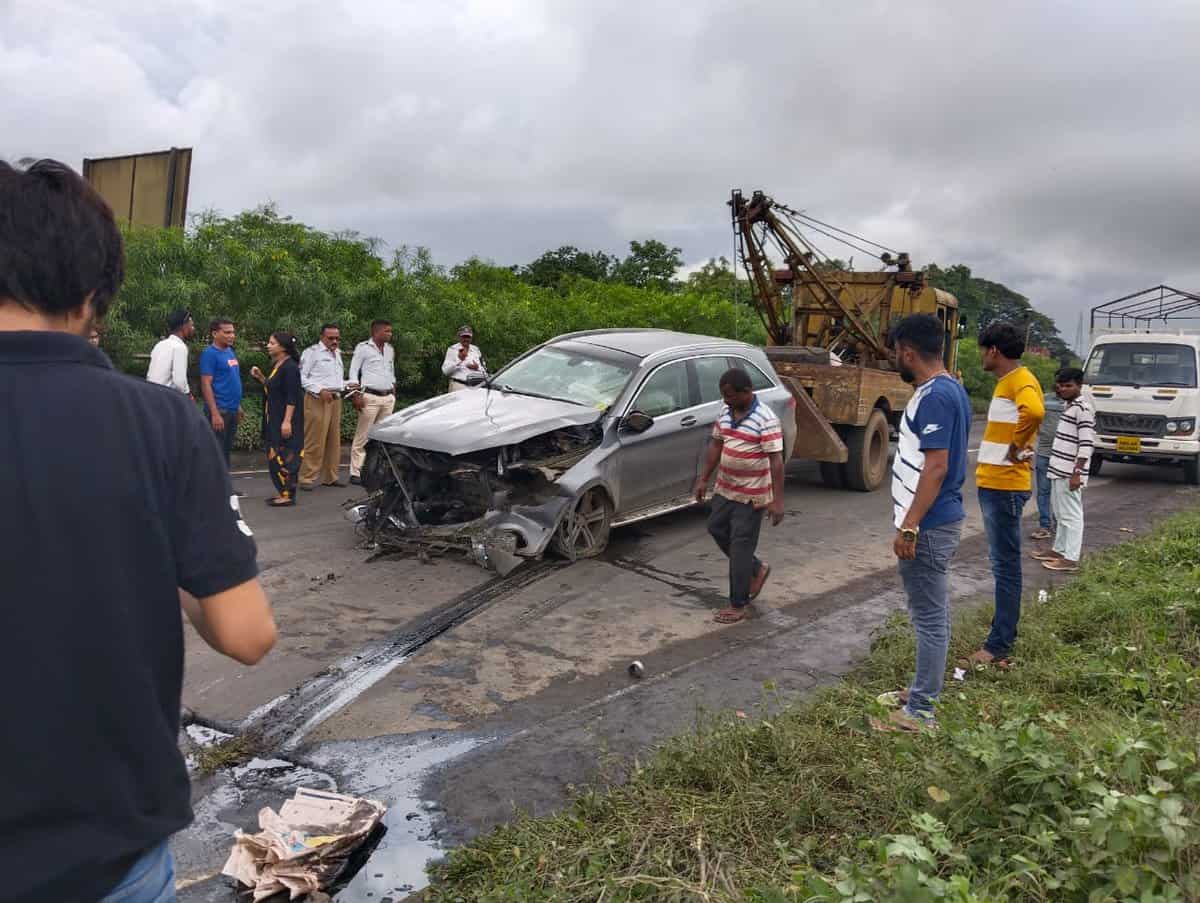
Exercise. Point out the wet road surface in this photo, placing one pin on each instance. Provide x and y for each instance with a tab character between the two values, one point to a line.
455	697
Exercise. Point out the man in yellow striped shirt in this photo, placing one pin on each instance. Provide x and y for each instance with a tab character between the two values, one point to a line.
1004	475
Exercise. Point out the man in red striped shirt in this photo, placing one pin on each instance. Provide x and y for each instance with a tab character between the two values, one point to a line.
747	453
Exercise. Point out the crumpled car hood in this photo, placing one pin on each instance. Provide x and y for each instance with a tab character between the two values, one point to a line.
475	419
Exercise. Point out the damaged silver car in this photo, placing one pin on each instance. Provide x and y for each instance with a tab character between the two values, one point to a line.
584	433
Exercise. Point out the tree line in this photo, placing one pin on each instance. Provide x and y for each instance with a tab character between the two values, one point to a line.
265	271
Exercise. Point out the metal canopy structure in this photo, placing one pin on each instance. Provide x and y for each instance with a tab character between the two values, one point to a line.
1160	304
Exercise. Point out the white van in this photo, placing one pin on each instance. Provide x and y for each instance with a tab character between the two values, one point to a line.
1142	386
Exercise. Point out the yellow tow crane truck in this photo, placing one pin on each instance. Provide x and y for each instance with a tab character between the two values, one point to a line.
827	332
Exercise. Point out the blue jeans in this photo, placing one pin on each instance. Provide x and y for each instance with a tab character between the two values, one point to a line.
151	880
926	581
1002	520
1045	510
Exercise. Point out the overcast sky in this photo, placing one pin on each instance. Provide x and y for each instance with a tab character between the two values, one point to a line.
1051	146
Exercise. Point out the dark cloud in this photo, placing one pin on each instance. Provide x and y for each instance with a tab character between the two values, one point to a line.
1048	146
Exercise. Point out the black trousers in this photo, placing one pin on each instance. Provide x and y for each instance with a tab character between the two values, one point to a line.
283	462
735	527
229	434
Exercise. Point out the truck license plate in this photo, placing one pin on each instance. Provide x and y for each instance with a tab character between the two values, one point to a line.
1129	445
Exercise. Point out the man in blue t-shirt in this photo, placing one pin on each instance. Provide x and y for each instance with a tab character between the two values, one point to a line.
221	384
927	478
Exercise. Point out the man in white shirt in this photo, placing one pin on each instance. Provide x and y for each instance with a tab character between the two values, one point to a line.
322	378
169	359
373	367
462	360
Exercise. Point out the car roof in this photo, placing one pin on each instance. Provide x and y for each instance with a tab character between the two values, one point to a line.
643	343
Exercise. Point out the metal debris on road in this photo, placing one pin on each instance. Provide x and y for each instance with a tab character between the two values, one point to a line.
302	848
636	669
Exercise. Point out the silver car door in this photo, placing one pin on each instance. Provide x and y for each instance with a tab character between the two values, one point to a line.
658	465
708	372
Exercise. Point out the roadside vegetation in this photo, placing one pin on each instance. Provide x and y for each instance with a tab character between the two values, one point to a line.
1072	776
267	272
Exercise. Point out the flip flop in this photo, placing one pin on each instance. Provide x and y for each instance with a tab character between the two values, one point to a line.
1001	662
1061	565
1039	555
731	615
900	722
766	572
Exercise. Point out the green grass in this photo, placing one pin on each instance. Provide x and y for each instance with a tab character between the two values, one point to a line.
232	752
1071	777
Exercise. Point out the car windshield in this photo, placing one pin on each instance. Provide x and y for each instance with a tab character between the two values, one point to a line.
1141	364
566	375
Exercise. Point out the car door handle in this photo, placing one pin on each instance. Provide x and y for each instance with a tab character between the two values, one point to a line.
689	420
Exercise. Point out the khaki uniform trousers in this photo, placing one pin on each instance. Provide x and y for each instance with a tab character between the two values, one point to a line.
322	440
375	408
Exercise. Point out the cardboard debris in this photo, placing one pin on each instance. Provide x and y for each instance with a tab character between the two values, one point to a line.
302	848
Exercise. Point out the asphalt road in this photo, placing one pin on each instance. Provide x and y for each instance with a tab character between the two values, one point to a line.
456	697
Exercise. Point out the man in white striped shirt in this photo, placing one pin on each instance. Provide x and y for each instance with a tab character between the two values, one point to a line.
1070	459
747	444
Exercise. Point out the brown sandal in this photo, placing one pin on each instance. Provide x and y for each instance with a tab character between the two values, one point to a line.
731	615
759	581
900	722
1061	564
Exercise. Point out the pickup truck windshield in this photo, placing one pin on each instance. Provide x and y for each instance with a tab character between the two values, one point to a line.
1141	364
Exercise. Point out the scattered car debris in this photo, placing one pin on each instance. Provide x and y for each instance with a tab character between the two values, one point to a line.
636	669
302	848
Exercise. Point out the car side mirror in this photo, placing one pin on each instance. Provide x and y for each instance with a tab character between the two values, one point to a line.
475	379
637	422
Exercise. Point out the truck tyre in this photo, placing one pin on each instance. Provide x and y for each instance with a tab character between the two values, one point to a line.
833	474
1094	467
866	468
1191	471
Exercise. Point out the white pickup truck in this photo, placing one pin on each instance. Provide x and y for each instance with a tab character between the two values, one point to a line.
1142	386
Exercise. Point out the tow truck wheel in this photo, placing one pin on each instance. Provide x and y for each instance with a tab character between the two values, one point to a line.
866	467
1095	466
584	530
1191	471
833	474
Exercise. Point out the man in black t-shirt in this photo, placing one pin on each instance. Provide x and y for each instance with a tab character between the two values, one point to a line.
116	510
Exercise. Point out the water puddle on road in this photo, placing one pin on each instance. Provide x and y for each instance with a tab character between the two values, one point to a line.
393	774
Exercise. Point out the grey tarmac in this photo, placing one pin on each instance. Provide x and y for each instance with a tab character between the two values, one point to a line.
457	698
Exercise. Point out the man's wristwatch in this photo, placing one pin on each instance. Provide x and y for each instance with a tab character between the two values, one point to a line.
909	534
